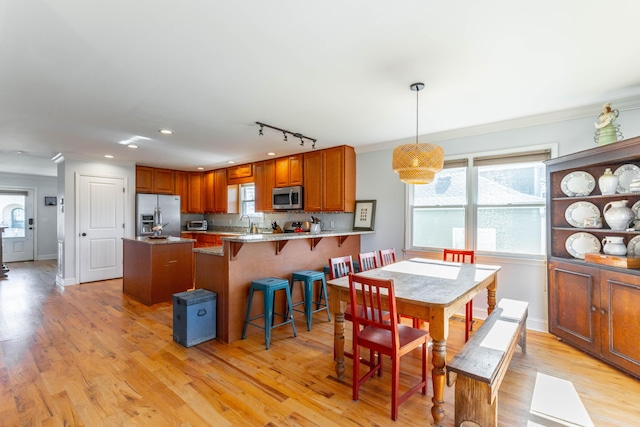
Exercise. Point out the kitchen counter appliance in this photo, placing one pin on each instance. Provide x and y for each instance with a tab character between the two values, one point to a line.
287	198
197	225
297	227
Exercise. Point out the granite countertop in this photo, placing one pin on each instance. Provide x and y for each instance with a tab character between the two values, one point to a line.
168	240
211	250
273	237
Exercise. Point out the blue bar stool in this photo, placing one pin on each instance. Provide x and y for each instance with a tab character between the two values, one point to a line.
269	286
307	279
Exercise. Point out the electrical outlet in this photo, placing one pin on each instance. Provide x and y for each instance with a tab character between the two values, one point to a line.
333	224
229	222
212	220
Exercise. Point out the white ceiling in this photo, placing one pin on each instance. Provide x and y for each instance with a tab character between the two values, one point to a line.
77	77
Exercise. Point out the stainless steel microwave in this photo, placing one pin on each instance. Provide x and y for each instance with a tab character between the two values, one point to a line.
287	198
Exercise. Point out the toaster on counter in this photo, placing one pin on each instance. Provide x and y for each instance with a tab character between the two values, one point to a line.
200	225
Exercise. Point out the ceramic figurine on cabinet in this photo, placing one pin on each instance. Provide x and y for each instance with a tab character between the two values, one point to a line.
606	131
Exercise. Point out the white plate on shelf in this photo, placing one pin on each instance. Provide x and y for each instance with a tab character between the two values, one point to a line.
577	212
581	243
635	208
633	247
626	174
578	183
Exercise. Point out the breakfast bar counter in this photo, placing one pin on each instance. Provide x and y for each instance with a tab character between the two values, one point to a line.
229	271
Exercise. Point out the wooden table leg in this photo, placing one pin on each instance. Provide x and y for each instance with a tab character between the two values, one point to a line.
337	307
439	330
491	294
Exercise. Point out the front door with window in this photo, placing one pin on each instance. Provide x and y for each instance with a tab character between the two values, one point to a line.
16	210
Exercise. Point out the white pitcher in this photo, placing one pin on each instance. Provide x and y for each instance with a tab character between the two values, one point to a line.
613	245
618	215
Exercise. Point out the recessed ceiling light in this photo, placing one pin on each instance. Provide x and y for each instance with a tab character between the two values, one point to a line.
166	131
108	156
132	146
271	154
230	162
133	139
200	168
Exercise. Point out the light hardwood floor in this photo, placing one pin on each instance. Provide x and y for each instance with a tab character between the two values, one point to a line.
88	355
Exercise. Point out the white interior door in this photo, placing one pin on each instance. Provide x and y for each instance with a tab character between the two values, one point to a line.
101	227
16	210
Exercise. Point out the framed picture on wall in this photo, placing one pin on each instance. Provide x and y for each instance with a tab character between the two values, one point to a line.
50	201
364	215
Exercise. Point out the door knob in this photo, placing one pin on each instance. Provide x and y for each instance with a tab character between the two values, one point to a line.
83	234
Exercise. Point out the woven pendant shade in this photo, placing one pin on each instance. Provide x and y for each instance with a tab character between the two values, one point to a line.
417	163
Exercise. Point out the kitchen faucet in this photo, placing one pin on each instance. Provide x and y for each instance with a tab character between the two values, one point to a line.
249	219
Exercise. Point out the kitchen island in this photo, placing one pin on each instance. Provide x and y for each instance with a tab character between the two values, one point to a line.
229	269
155	269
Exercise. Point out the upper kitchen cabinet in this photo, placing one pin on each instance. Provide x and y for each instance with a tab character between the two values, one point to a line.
195	201
289	171
153	180
182	189
265	179
215	191
330	180
240	174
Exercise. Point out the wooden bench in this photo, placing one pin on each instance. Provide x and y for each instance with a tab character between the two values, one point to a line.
479	367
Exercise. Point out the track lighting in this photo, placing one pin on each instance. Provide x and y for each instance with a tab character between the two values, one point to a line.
285	132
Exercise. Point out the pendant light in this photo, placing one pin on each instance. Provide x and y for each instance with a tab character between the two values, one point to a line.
417	163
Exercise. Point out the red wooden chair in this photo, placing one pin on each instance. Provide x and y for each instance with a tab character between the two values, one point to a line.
459	255
368	261
340	267
387	256
372	331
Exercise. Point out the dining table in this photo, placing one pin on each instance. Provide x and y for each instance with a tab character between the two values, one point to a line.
426	289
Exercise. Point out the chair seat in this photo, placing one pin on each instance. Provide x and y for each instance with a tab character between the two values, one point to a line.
381	338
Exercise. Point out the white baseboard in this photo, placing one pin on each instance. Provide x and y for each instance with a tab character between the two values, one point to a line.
65	282
46	256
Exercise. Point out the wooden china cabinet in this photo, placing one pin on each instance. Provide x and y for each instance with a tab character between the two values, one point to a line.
593	306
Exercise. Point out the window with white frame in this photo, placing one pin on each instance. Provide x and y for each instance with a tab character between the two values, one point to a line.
248	199
490	204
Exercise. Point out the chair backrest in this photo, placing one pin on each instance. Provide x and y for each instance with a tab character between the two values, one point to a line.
459	255
387	256
370	294
368	261
340	266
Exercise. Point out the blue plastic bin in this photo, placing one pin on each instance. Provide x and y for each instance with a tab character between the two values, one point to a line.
194	317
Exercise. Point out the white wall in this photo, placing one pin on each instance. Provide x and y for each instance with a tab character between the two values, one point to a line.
518	279
44	216
67	228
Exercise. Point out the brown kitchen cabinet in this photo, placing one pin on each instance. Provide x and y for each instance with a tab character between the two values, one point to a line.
153	272
595	307
195	201
289	171
220	191
209	192
154	180
182	189
330	180
265	178
240	174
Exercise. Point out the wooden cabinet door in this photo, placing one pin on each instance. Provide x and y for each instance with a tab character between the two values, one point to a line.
333	184
574	299
182	189
289	171
620	319
240	174
163	181
220	193
313	180
144	179
209	192
264	181
282	172
296	169
196	193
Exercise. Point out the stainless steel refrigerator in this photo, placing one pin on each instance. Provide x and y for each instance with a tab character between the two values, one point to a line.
154	209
